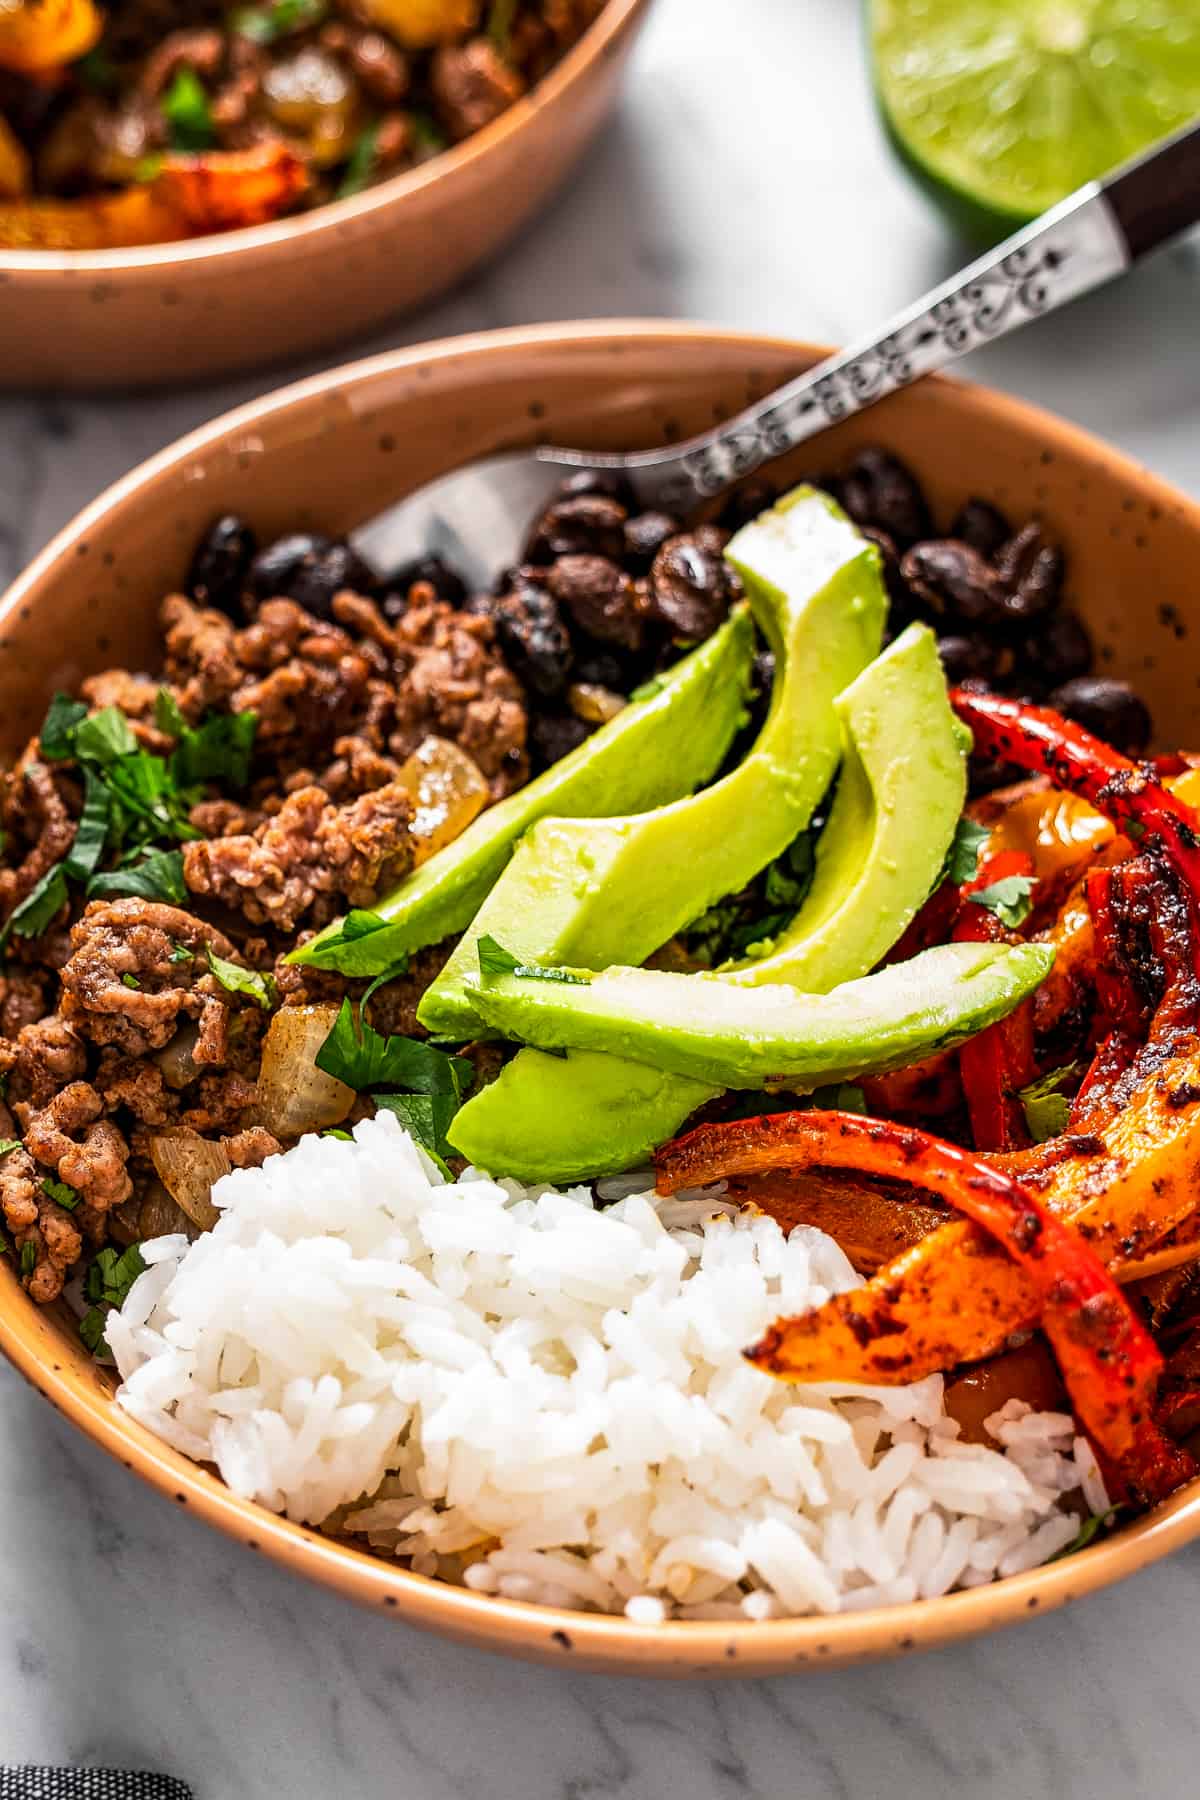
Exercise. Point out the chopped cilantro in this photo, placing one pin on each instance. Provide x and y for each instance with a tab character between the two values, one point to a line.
28	1257
267	24
104	737
962	858
747	924
39	907
844	1096
354	1052
110	1277
427	1118
361	164
220	749
1047	1110
501	15
185	107
97	71
62	1194
1091	1528
180	954
148	168
358	923
158	876
494	959
236	980
7	1144
130	981
167	714
428	133
91	833
335	1131
1010	899
91	1330
58	727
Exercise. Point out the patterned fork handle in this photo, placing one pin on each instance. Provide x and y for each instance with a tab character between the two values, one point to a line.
1092	236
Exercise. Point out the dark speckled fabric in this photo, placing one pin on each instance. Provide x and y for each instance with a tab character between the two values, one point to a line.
89	1784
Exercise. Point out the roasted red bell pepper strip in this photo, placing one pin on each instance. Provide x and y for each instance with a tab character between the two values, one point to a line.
999	1061
1109	1361
1045	743
1123	1016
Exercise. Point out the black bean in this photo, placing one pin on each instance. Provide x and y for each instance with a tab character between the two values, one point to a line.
954	580
967	658
333	571
881	490
902	602
221	565
1056	650
553	734
1108	708
983	526
600	668
1031	573
745	503
532	635
428	569
583	525
645	535
690	589
275	568
602	600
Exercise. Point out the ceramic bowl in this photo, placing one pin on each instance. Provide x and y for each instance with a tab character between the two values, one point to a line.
332	451
209	306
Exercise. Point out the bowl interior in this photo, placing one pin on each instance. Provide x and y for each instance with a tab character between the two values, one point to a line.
331	452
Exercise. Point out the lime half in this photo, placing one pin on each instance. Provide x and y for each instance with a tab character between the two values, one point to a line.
1003	107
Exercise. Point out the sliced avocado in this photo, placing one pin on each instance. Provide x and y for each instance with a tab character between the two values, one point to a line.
900	794
774	1036
595	892
654	751
567	1118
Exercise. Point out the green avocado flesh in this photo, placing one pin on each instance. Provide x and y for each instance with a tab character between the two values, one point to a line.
899	795
774	1036
595	892
653	752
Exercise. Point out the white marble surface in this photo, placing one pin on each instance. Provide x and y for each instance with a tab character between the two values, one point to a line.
743	181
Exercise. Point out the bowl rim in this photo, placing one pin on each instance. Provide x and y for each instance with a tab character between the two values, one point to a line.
593	1641
303	230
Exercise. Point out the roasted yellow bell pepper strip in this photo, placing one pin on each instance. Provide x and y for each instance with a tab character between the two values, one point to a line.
39	35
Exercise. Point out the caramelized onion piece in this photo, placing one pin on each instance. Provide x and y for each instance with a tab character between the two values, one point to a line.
448	791
188	1165
294	1096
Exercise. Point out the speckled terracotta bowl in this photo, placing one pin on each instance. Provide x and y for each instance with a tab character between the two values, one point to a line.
184	312
332	451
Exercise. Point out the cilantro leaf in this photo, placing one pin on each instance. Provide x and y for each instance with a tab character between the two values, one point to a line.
28	1257
110	1277
494	959
1010	899
427	1118
39	907
180	954
58	1191
158	876
58	727
354	1052
185	106
91	1331
361	165
219	749
501	16
130	980
962	858
91	833
1047	1111
358	923
267	24
428	133
104	737
7	1144
167	714
236	980
1091	1528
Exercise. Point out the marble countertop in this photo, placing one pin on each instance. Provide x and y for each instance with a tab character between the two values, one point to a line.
745	183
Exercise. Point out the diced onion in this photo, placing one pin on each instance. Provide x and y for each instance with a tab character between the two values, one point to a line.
176	1059
448	790
294	1096
188	1165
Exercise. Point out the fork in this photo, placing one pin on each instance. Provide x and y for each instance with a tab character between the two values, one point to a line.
475	517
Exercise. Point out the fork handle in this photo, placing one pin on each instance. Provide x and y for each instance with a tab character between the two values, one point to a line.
1085	241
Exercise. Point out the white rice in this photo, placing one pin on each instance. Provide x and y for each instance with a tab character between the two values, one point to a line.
503	1386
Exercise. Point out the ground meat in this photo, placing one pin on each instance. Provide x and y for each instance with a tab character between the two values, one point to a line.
393	1008
22	999
217	1103
127	1081
93	1164
199	661
36	813
46	1055
34	1219
250	1149
136	938
308	856
454	683
472	85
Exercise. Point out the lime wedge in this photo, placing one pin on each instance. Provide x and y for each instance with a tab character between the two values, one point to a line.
1003	107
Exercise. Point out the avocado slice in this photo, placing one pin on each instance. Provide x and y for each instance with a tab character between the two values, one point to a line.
654	751
899	796
900	793
595	892
774	1036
